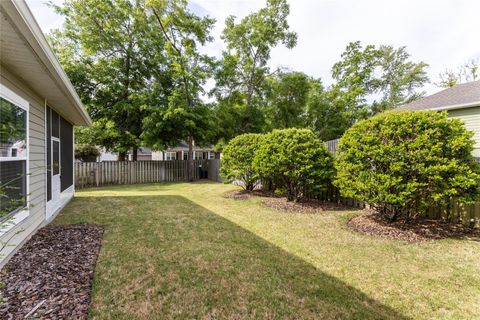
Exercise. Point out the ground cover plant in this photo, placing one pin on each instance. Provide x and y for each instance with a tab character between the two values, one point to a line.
184	251
401	163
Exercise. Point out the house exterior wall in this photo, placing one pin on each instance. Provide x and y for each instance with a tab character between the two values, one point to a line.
471	117
36	153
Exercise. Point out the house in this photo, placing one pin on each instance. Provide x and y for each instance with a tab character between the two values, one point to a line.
38	109
461	101
180	152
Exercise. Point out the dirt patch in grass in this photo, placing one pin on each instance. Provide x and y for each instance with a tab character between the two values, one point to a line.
245	194
303	206
50	277
418	230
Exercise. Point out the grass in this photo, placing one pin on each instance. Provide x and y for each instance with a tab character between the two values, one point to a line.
182	251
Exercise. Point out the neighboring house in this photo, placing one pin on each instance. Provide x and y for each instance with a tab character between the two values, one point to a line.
461	101
40	106
179	152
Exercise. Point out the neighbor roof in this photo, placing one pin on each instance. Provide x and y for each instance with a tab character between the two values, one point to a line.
460	96
26	54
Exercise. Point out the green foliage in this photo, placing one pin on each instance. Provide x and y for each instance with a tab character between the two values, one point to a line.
295	160
465	73
366	73
185	116
402	162
241	76
287	100
237	160
115	60
86	152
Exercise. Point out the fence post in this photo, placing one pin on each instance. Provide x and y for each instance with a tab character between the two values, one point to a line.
97	167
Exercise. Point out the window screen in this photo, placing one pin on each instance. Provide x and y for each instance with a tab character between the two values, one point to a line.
13	162
66	149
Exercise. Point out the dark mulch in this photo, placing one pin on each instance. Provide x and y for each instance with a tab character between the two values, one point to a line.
50	277
303	206
244	194
418	230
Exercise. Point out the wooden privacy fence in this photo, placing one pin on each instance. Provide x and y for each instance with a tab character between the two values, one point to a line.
468	215
95	174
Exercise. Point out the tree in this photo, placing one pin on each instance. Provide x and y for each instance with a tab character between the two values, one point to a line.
237	160
465	73
242	72
403	162
287	100
114	58
86	152
186	116
295	160
326	116
364	74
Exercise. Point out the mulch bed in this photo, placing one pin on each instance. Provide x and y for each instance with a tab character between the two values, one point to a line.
50	277
244	194
303	206
418	230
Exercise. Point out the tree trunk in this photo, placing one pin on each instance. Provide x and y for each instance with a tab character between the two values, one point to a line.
191	167
135	154
122	156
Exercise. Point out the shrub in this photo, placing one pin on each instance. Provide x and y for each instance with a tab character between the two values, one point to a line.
86	152
403	162
237	160
296	161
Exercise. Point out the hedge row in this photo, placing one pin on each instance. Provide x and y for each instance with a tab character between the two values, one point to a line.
398	162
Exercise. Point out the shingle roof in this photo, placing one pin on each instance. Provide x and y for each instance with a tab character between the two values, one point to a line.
462	95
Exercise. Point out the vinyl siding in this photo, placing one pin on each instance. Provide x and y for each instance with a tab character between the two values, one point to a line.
471	117
36	150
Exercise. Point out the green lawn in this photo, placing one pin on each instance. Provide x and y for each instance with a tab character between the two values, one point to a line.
182	251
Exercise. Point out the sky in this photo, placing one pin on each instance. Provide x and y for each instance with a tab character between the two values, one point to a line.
443	33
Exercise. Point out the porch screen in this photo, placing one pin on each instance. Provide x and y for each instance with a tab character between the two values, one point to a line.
66	154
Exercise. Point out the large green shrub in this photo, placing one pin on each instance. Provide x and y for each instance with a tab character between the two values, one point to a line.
86	152
296	161
402	162
237	160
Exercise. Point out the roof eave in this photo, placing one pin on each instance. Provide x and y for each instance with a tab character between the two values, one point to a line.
457	106
49	59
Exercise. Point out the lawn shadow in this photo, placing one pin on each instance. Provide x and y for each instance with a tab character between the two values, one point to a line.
168	257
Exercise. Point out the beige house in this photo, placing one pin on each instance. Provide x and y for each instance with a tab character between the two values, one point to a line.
40	107
461	101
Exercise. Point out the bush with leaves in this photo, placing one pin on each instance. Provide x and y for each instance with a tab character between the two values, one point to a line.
296	161
402	162
86	152
237	160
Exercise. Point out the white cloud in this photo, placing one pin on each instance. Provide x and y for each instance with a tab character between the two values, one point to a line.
443	33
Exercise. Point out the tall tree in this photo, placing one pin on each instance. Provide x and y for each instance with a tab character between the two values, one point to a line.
325	115
465	73
186	116
287	100
113	56
371	79
241	77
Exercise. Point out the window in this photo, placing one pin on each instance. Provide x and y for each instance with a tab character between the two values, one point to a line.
211	155
185	156
170	155
13	155
198	155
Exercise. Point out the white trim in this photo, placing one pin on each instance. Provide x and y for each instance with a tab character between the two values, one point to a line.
15	99
22	18
457	106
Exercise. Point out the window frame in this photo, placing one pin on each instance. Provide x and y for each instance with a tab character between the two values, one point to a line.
168	154
18	215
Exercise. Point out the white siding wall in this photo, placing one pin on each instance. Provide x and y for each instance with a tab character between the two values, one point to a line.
20	233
